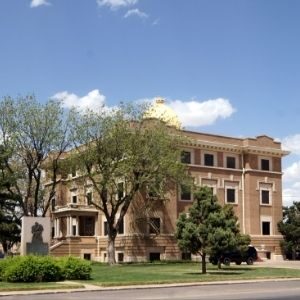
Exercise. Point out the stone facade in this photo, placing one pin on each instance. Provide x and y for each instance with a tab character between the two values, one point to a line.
245	173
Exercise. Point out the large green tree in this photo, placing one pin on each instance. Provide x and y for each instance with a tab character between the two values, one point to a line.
208	228
9	216
289	227
36	135
123	156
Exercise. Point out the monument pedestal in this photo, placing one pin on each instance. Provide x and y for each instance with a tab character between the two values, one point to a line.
37	248
35	235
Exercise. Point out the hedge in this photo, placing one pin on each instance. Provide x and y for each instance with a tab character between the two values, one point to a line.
43	269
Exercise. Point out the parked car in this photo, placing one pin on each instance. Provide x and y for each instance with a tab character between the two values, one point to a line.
249	256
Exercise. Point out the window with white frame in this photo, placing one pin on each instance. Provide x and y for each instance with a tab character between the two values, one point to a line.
266	225
154	225
120	256
209	159
185	193
120	229
74	196
265	194
231	192
186	157
265	163
211	183
230	162
89	198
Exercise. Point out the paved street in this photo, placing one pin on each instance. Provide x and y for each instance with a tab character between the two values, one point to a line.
287	290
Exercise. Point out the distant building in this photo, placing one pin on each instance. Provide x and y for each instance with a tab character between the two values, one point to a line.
243	172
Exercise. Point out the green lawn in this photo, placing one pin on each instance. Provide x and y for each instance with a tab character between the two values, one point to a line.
180	272
132	274
9	286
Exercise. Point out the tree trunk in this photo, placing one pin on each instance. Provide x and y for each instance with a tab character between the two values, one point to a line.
203	263
219	264
294	254
5	247
111	250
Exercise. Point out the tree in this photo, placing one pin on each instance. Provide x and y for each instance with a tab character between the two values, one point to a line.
124	156
9	218
208	228
35	135
225	233
289	227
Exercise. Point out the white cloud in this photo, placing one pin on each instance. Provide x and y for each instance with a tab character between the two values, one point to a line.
292	143
115	4
292	172
94	100
196	113
136	12
291	194
36	3
291	183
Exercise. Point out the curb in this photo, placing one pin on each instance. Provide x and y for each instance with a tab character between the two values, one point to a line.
94	288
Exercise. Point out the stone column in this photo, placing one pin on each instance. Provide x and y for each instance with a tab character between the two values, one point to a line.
58	227
77	225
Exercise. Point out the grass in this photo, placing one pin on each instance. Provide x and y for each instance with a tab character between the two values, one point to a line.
157	273
9	286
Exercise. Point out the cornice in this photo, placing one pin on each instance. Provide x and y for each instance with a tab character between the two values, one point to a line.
239	149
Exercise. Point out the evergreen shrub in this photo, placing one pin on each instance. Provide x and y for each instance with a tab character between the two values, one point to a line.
43	269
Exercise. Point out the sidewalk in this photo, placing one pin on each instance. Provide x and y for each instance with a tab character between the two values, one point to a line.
289	264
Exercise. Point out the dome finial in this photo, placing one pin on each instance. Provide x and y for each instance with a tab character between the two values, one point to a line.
159	100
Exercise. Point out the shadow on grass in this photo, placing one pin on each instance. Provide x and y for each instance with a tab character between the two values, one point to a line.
222	272
237	269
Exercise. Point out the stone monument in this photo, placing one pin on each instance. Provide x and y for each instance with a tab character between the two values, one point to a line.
35	235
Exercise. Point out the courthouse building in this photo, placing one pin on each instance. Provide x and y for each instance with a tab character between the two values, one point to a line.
243	172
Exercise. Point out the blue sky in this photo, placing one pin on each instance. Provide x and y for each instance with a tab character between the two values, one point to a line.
231	65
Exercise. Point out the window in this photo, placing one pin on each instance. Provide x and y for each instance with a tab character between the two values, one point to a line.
230	195
105	225
53	204
230	162
154	226
186	256
89	198
266	228
86	226
73	172
74	199
121	227
120	230
52	232
73	229
265	197
87	256
208	159
186	157
154	256
120	187
211	183
185	193
120	257
265	164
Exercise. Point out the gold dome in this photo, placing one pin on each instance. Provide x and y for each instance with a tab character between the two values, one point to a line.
160	111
